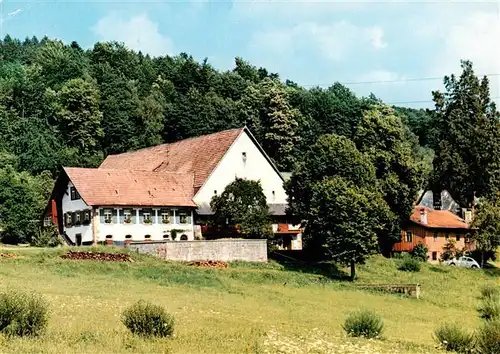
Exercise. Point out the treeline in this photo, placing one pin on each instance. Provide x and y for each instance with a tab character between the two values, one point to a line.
63	105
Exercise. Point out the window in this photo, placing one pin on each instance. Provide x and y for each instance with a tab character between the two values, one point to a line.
409	236
74	194
435	236
434	256
127	216
128	237
78	218
109	237
108	216
244	157
457	237
47	221
86	217
166	216
166	236
147	216
215	191
67	220
147	237
183	216
274	195
447	236
184	238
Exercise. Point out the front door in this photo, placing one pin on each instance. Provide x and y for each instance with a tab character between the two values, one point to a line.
78	239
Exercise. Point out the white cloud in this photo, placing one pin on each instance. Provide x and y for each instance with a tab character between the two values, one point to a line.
381	76
334	41
377	37
137	32
464	35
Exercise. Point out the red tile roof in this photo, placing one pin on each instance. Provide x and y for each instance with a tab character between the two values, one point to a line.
98	186
198	156
443	219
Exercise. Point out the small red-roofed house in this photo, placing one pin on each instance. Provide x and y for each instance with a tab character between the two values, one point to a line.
434	228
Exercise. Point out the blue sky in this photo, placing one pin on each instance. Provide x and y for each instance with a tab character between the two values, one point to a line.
361	43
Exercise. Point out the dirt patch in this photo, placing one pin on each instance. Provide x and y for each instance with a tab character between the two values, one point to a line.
211	264
8	255
97	256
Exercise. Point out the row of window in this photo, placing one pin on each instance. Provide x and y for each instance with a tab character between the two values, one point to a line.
77	218
146	216
409	236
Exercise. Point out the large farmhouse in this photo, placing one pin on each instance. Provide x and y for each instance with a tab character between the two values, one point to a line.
163	192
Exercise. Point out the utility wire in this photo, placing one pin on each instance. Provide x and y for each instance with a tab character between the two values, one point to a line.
394	81
426	101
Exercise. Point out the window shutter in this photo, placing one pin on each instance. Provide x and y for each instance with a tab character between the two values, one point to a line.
101	215
114	216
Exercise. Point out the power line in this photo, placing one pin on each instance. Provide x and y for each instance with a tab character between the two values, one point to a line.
393	81
425	101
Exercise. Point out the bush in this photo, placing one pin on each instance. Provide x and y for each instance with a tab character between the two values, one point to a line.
490	292
22	314
146	319
489	309
47	237
364	324
409	265
419	252
454	338
488	338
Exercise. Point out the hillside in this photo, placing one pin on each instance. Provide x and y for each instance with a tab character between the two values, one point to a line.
245	308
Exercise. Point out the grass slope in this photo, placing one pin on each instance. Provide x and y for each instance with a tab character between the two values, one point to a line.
247	308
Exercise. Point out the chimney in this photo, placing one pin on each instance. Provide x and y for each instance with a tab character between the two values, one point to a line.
467	215
423	216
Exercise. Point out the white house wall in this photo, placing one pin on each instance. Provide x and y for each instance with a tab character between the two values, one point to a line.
138	231
232	165
69	205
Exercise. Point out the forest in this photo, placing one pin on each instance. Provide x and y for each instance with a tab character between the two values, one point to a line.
61	105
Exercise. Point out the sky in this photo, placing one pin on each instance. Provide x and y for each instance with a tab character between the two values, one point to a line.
399	50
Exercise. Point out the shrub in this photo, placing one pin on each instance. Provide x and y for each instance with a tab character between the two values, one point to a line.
449	250
409	265
146	319
47	237
489	309
454	338
419	252
488	338
364	324
22	314
490	292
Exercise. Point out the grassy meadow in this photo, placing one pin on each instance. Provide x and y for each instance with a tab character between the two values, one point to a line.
246	308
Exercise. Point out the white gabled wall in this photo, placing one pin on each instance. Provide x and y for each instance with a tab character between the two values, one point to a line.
69	206
256	167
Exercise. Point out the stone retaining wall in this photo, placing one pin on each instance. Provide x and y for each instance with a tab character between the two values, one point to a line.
408	289
214	250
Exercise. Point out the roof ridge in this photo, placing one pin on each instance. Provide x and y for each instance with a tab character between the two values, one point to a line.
176	142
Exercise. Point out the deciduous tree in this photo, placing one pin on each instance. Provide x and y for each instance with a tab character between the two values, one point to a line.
467	160
243	203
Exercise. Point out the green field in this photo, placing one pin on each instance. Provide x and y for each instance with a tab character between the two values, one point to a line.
246	308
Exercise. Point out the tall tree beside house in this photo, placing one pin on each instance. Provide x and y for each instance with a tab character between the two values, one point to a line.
335	191
467	159
487	223
382	136
77	114
242	203
22	200
266	111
